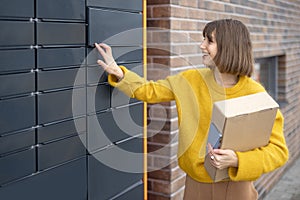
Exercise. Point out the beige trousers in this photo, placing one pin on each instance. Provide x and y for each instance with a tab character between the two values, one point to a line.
228	190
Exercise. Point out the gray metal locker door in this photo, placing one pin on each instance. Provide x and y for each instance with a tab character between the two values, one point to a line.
23	163
55	33
16	8
134	5
17	114
102	177
10	34
16	141
60	57
58	9
126	28
61	130
17	60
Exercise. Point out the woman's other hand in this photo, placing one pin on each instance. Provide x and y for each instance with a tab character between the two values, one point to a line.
222	158
109	64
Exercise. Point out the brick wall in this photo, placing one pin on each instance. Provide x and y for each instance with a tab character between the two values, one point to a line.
174	35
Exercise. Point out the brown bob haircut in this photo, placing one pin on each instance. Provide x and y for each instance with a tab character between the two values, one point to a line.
234	46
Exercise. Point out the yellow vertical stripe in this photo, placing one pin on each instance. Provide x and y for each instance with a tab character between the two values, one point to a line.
145	104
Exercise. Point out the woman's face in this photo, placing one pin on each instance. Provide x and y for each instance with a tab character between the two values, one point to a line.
209	50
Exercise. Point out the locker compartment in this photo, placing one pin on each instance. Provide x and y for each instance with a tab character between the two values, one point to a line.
17	165
17	114
62	129
95	74
57	9
114	125
98	98
17	8
60	151
54	33
134	5
17	60
57	79
64	182
135	193
121	54
118	98
115	27
14	84
103	175
60	57
56	106
16	141
10	34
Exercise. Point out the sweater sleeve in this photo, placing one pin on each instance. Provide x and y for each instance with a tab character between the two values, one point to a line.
254	163
137	87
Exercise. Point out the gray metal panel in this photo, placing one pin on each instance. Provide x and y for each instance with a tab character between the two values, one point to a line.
61	151
54	33
102	179
56	106
20	140
66	182
17	60
62	129
17	165
135	193
60	57
57	79
17	8
17	114
121	54
98	98
14	84
136	5
109	127
58	9
10	34
96	74
115	27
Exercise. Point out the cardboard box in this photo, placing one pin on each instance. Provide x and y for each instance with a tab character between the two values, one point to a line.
240	124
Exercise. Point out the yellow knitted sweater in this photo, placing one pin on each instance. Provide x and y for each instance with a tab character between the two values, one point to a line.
194	92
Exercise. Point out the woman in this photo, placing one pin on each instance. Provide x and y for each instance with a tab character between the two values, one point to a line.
227	52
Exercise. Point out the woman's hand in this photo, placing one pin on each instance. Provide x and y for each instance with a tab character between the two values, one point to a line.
222	158
109	64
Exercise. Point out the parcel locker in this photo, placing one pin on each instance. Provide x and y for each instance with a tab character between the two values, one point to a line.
16	141
64	182
59	79
98	98
10	34
14	84
105	179
134	5
17	165
125	31
114	125
17	60
55	33
60	57
58	9
60	130
17	114
121	54
58	152
17	8
95	74
57	106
